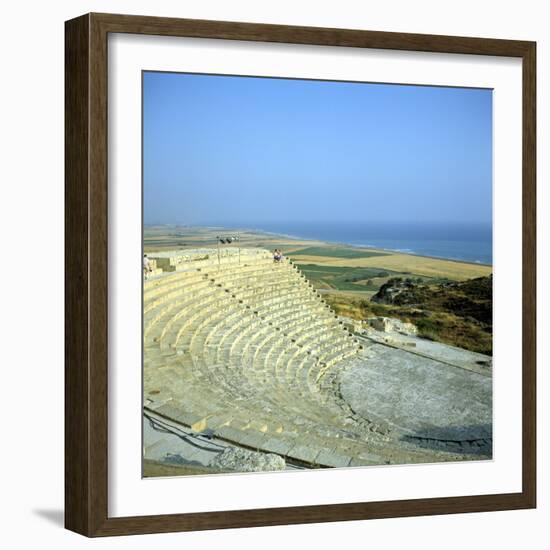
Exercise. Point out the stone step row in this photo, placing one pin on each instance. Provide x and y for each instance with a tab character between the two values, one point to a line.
252	352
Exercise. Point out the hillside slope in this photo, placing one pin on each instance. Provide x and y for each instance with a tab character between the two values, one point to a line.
455	313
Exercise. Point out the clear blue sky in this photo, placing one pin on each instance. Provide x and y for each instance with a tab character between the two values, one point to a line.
238	150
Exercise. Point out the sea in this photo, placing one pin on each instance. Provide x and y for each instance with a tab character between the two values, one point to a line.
471	242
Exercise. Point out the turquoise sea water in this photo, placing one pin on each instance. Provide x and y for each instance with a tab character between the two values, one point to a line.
468	242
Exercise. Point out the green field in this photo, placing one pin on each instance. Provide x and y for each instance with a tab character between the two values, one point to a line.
336	252
358	279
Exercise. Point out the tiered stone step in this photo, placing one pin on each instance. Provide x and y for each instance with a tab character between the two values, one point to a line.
248	348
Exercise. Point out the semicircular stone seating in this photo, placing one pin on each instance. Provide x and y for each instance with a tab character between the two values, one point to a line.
245	346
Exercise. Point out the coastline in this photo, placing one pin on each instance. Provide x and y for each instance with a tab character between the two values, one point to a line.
368	247
301	241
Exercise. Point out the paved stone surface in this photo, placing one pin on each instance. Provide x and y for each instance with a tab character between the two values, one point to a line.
465	359
419	396
334	459
167	442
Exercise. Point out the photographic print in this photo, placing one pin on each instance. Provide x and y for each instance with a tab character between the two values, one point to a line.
317	274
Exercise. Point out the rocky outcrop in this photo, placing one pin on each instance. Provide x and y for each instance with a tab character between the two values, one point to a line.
399	292
459	313
242	460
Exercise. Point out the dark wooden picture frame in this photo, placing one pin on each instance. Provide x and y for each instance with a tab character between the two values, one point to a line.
86	280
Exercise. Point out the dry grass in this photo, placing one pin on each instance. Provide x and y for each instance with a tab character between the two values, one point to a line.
346	304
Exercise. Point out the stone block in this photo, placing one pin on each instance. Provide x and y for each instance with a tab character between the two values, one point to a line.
304	453
277	446
333	458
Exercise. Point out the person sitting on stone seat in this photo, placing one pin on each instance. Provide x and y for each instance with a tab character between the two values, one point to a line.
277	255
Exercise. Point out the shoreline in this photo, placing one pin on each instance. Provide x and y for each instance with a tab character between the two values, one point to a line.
367	247
323	242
